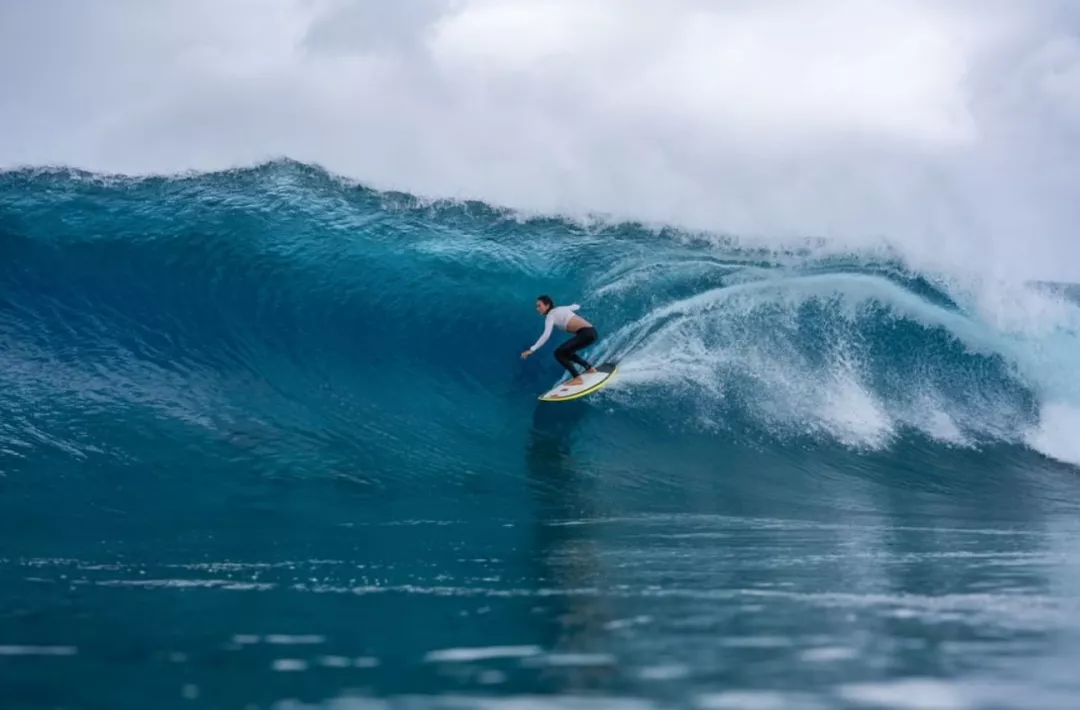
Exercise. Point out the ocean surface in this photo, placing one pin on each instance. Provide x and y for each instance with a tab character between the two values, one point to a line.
266	441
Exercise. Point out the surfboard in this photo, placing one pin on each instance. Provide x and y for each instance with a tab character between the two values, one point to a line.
589	384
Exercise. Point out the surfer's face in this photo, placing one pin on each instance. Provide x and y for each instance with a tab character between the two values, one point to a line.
541	308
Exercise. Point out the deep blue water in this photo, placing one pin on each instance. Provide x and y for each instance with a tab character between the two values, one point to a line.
266	441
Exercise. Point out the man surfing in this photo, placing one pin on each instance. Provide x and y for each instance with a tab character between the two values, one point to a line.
564	318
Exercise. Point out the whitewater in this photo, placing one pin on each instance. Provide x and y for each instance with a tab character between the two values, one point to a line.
266	441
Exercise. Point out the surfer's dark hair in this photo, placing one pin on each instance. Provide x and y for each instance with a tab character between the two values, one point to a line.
546	300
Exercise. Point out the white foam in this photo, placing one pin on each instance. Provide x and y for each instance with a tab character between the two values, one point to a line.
289	665
928	415
908	694
850	412
458	655
827	654
1056	433
617	624
754	700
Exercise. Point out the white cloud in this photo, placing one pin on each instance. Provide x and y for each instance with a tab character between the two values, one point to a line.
949	127
782	69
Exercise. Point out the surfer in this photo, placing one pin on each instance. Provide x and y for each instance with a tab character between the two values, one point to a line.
564	318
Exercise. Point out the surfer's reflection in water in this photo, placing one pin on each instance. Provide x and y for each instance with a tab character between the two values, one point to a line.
565	557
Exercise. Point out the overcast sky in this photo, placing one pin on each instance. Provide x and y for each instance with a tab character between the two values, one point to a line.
950	127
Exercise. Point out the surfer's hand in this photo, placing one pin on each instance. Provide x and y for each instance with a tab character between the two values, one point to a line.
525	354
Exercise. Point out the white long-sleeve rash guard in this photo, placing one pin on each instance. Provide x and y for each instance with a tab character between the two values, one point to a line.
558	316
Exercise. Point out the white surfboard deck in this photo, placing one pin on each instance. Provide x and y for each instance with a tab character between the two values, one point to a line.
589	384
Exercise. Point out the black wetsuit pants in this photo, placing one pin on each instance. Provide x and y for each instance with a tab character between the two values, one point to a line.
567	355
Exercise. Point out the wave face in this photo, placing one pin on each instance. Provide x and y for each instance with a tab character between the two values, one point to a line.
307	320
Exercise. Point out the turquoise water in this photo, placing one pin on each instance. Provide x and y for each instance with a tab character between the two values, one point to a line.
266	441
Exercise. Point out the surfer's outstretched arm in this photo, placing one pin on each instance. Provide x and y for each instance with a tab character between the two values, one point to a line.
543	338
